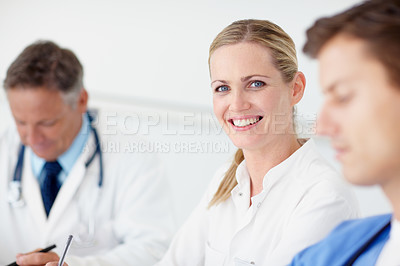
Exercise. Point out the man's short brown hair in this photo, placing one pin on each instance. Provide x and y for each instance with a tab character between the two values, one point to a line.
376	22
45	64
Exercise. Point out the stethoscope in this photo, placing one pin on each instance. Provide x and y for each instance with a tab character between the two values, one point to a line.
86	234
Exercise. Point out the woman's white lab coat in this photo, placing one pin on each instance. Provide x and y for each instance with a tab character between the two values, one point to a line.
133	220
302	200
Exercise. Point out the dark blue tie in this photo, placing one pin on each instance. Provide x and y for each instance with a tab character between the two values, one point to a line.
50	184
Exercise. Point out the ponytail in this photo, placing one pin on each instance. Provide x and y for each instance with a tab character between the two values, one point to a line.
229	181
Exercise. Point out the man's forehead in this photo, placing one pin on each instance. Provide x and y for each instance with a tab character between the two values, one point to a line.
338	59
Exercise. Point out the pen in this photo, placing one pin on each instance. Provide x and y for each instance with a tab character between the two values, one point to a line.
61	261
43	251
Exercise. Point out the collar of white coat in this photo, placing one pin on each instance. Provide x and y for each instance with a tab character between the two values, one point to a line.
32	194
271	178
395	228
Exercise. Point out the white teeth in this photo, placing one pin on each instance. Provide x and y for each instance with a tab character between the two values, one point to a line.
245	122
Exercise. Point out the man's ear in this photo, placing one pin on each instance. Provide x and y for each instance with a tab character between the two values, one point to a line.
83	101
298	87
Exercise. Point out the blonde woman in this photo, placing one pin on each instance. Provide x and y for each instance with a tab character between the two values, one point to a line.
278	195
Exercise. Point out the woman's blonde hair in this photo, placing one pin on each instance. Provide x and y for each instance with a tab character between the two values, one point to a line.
283	52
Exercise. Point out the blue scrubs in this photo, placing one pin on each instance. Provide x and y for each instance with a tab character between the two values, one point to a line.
353	242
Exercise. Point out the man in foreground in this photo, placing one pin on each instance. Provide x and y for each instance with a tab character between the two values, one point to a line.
358	51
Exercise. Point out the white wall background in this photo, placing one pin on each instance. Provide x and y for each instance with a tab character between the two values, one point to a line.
150	58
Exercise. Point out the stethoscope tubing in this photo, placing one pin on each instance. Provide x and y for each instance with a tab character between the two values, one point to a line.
97	151
18	167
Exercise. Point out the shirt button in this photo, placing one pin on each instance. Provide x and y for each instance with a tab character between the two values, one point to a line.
259	205
240	194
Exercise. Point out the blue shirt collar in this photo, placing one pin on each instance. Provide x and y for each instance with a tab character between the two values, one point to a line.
69	157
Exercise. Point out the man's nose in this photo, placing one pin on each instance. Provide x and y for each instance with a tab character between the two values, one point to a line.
325	122
32	135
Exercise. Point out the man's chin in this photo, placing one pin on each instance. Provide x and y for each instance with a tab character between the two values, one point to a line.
46	155
358	178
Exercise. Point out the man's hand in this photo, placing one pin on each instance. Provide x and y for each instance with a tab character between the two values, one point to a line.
36	258
55	263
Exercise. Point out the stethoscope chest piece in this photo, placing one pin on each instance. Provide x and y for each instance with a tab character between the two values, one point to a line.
14	196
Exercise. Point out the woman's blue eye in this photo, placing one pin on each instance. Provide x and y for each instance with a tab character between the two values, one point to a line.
221	89
257	84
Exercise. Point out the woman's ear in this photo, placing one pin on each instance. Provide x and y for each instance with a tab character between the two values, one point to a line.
299	84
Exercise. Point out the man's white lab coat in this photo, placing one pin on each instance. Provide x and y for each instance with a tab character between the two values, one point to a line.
132	210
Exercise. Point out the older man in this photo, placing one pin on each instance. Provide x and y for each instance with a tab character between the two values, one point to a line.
60	182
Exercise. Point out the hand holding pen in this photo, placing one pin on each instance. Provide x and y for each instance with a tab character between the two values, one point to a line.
37	256
42	256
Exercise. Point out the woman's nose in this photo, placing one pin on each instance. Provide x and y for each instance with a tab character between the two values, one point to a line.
239	101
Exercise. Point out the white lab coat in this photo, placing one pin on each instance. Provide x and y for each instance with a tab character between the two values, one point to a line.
302	200
133	221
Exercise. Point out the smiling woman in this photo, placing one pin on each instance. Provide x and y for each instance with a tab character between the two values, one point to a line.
278	195
255	107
